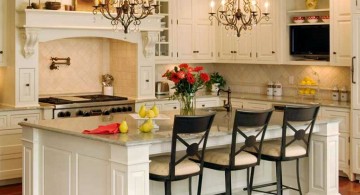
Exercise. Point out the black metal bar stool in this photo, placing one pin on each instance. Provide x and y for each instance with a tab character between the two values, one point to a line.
177	166
289	148
250	126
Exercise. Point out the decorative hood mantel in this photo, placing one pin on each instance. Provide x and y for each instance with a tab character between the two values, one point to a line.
46	25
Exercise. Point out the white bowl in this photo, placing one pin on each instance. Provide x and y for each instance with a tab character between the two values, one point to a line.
299	21
312	19
326	20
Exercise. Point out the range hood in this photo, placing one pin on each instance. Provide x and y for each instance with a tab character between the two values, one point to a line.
46	25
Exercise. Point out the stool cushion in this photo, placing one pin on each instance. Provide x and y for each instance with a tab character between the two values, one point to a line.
221	157
160	166
272	148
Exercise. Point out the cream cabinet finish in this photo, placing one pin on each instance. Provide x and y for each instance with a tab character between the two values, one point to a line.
10	141
355	88
341	27
344	137
2	31
27	85
194	35
259	45
355	5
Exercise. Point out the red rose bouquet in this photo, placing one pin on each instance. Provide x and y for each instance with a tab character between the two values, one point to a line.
187	80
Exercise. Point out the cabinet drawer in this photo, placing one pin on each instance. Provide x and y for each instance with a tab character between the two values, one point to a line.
171	106
10	166
3	121
15	119
205	104
337	113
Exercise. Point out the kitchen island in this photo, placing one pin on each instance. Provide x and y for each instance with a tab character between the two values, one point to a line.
59	159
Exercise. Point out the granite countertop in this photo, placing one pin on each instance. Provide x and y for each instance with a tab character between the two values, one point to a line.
222	126
289	99
10	108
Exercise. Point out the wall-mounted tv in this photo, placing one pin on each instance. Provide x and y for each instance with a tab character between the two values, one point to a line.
310	41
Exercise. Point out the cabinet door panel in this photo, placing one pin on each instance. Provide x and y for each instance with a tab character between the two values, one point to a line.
185	41
15	119
344	151
355	120
146	81
226	43
342	44
266	42
355	87
355	160
243	45
171	106
27	85
344	115
2	31
203	40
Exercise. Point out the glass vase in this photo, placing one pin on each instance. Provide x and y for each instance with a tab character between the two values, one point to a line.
187	104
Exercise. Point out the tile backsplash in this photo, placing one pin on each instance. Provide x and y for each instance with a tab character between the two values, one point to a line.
89	60
253	78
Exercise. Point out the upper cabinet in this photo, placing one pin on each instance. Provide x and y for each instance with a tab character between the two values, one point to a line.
164	47
355	6
194	33
332	13
341	25
2	31
258	45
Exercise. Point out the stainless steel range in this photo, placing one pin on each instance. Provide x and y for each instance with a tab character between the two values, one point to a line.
88	105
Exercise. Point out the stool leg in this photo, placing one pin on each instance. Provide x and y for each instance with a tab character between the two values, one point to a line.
298	176
167	187
228	182
278	178
199	184
251	179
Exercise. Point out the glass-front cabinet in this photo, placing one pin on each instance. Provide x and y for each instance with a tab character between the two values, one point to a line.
163	48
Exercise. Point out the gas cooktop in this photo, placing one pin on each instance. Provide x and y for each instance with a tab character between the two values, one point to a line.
80	99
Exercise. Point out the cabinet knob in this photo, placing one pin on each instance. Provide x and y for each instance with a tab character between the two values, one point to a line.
25	119
334	52
273	52
1	52
175	107
147	80
203	105
27	85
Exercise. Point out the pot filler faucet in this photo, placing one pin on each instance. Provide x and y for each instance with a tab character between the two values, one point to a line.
228	104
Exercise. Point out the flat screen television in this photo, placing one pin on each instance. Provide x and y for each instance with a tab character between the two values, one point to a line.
310	41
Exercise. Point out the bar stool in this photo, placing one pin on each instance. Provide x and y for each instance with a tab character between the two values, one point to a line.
292	147
176	166
251	127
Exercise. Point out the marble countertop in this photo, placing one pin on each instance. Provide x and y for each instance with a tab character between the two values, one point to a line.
222	126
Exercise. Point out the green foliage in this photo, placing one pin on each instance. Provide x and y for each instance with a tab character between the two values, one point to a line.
216	78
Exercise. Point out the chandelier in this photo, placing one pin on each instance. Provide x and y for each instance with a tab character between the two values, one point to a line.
239	15
125	12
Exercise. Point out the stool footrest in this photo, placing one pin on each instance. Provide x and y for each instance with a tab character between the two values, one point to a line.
256	188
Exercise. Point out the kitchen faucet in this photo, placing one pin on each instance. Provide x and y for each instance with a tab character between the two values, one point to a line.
228	104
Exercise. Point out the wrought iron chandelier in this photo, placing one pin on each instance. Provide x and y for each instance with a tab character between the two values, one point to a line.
125	12
239	15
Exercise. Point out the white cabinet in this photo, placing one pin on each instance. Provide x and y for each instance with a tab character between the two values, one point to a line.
344	137
355	88
146	81
2	30
355	158
171	105
207	102
194	35
355	5
341	25
165	44
258	45
10	141
27	85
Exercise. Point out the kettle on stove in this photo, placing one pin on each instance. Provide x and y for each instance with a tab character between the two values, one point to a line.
161	88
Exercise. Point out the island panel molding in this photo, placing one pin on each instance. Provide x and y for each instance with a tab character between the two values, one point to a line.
125	157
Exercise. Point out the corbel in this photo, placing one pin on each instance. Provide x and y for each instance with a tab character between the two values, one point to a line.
30	37
149	39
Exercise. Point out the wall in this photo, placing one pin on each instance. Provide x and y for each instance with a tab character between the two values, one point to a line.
123	66
253	78
89	60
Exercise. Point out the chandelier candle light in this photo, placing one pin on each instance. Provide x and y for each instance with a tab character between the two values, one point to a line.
125	12
239	15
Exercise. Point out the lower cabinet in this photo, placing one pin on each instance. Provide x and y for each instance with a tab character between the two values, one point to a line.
10	141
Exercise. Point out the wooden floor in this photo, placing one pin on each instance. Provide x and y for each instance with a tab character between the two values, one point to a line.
346	188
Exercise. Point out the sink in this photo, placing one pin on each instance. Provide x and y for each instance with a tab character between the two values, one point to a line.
216	109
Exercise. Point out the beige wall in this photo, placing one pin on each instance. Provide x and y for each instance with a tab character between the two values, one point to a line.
123	65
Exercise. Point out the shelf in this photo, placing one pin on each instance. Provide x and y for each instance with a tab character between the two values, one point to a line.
308	62
308	24
309	10
162	43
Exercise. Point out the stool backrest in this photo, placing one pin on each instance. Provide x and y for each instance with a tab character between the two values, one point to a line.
305	116
251	126
199	127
